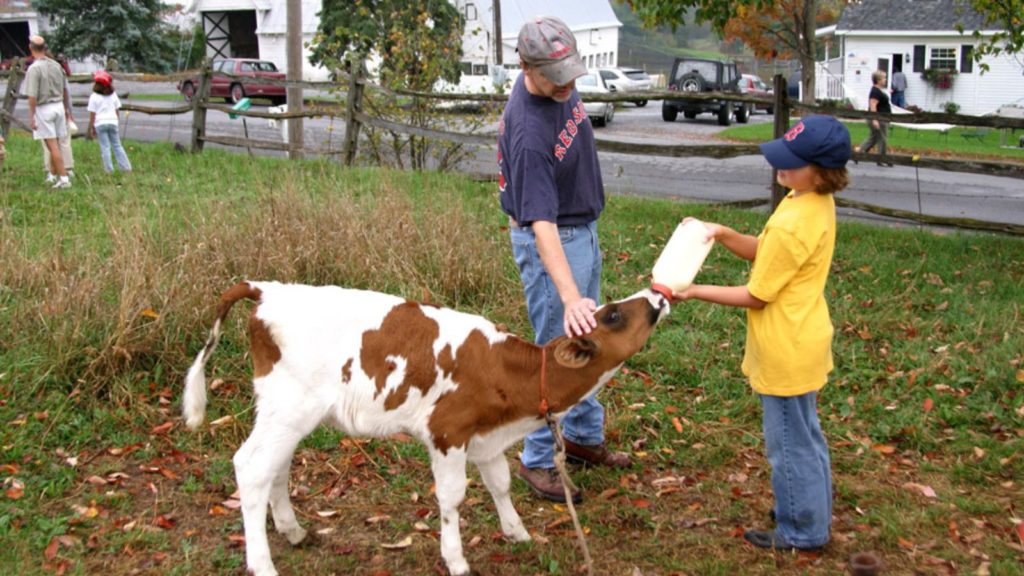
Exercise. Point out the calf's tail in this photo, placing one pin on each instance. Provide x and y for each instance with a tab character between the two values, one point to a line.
193	404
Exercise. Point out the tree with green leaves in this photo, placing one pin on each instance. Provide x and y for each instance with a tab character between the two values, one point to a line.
415	43
1007	18
129	32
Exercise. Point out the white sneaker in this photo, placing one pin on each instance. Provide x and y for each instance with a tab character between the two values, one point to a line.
50	179
62	184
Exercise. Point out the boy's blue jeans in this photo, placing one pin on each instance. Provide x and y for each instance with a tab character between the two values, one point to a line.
109	138
584	424
801	469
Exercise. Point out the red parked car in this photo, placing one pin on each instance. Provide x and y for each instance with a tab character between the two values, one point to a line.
251	72
755	86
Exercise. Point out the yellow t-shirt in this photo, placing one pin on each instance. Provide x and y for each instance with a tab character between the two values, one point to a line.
789	341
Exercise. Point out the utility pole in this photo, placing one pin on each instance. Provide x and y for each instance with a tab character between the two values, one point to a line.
497	33
294	72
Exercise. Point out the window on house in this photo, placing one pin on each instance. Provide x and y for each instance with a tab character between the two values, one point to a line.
470	12
479	69
942	59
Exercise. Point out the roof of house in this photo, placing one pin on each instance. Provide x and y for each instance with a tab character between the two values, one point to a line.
910	16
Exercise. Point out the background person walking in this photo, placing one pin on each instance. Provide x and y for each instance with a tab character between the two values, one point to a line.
878	101
103	121
47	110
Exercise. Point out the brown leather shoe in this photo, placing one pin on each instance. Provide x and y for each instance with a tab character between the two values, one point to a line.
595	455
546	483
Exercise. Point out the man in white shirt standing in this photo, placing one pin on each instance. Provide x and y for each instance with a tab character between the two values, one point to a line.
47	110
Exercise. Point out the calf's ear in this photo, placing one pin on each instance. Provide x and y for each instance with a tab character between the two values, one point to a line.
575	352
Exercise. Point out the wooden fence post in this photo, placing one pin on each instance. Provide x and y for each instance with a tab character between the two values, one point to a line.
199	101
353	106
781	126
11	95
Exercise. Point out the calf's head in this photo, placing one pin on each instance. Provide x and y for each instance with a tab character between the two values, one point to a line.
585	363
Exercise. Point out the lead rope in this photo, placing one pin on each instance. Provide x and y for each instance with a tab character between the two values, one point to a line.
563	473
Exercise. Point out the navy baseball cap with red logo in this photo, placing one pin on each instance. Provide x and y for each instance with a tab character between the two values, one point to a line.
816	139
547	43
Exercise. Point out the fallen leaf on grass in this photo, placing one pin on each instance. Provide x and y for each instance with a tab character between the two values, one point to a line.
236	540
52	548
222	421
928	403
218	510
678	425
925	490
884	449
377	519
166	522
905	544
401	544
1020	532
163	428
558	522
690	523
326	513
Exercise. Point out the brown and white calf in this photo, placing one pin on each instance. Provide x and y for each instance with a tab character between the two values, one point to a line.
375	365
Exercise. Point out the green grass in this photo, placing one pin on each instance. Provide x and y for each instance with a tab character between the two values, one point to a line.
106	291
907	141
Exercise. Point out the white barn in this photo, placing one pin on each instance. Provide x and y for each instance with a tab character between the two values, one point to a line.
912	36
257	29
592	21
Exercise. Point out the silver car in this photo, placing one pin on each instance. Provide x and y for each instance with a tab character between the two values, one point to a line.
627	80
601	113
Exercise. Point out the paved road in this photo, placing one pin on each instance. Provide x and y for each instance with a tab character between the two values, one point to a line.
942	193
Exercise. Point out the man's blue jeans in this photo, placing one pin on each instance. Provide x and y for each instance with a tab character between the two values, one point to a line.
584	424
801	469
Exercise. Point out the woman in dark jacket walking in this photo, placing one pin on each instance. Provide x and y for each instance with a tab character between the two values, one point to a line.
878	101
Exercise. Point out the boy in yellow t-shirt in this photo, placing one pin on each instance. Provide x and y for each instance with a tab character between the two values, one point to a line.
789	334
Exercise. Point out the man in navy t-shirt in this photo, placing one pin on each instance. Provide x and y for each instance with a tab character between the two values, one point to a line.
551	189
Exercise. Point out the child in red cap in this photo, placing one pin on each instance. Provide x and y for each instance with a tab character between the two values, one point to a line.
788	353
103	121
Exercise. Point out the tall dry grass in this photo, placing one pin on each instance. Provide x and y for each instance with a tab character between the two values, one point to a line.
145	301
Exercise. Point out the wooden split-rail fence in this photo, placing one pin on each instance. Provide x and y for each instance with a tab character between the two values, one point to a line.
352	86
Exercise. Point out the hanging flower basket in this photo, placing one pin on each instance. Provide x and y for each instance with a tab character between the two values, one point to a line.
939	78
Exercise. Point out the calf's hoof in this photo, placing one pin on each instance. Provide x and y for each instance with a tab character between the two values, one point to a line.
458	567
297	536
518	534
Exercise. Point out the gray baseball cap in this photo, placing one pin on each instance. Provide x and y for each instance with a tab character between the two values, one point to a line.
546	43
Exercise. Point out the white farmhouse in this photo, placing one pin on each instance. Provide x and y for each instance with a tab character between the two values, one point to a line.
914	36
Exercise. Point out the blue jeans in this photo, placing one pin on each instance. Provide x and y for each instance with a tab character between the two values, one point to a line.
109	138
899	98
584	423
801	469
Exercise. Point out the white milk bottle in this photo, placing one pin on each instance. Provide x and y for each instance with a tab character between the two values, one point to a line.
682	257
